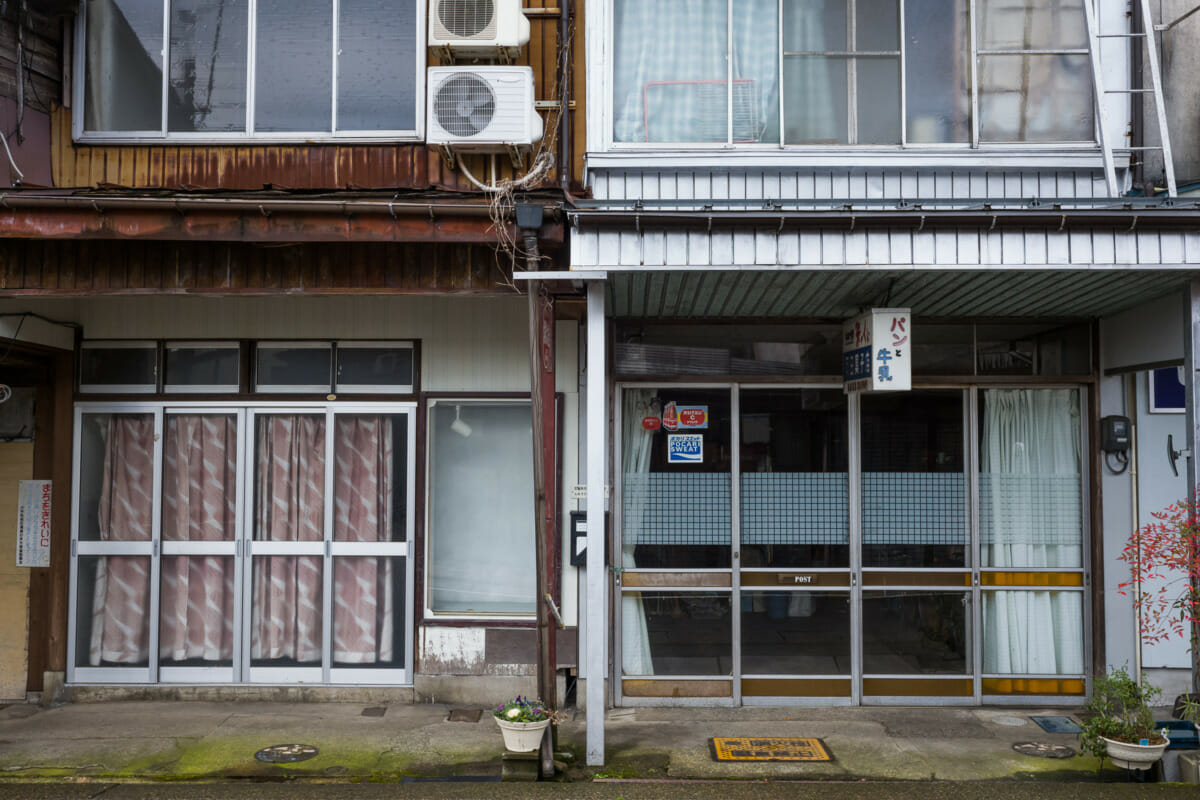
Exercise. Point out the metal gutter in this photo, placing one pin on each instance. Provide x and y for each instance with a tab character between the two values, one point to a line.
100	204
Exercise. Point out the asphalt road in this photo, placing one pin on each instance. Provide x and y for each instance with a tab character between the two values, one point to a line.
610	790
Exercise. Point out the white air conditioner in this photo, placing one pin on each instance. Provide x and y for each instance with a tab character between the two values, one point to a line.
482	109
478	28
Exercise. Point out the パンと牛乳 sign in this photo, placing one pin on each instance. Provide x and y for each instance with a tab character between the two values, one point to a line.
877	351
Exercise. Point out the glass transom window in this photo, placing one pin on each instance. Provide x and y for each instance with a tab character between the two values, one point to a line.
220	69
851	72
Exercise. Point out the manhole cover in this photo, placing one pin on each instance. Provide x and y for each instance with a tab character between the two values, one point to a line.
465	714
1012	722
1043	750
1057	724
286	753
374	711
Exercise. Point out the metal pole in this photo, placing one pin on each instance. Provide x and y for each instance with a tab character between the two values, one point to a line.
597	571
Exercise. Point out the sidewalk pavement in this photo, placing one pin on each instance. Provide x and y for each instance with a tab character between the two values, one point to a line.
128	741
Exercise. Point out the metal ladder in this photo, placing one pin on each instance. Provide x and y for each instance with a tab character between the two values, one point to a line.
1155	90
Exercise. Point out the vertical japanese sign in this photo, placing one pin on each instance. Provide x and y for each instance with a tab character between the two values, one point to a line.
33	524
877	351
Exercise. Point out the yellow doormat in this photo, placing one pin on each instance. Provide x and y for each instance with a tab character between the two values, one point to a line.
752	749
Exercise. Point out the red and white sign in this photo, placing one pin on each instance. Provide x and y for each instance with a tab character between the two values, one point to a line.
651	423
692	416
670	418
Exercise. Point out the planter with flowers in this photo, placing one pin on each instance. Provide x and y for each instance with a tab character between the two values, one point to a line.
523	722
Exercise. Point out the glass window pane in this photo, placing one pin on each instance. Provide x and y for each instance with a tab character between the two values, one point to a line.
201	367
123	69
937	64
878	100
289	489
914	482
285	620
368	612
370	483
196	611
382	368
676	634
914	632
795	495
116	477
944	350
810	27
815	92
671	72
1035	98
293	88
128	366
209	42
284	368
756	73
796	633
113	612
1032	633
1020	25
878	25
1030	480
199	501
377	63
675	512
481	517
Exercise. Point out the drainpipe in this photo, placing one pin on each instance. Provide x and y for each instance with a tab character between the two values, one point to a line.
1130	391
1137	102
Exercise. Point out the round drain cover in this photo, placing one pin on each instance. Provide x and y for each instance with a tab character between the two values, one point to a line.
1043	750
286	753
1012	722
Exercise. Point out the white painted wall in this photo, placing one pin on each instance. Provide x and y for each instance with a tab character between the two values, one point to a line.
1151	333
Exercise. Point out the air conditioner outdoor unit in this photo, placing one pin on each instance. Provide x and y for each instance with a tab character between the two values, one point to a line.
478	28
482	109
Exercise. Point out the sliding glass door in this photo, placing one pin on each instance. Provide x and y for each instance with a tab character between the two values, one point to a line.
229	544
820	548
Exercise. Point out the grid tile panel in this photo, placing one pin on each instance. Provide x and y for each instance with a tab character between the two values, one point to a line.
795	508
1036	509
914	508
676	509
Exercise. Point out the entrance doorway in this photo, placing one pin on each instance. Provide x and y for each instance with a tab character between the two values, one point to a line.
823	548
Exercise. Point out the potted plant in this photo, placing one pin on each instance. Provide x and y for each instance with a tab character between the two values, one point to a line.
523	722
1164	568
1121	724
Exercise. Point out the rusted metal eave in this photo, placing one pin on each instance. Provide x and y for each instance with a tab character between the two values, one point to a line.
252	220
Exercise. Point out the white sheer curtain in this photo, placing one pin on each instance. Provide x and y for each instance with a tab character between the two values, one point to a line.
636	443
811	116
671	69
1031	518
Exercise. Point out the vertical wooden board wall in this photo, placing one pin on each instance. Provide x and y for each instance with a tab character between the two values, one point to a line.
16	464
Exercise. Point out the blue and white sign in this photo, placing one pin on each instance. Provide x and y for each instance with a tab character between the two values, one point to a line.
685	448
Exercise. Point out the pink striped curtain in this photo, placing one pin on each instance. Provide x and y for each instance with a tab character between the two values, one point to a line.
363	603
199	505
289	507
121	596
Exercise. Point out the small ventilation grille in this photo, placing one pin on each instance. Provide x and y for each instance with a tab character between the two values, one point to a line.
468	19
465	105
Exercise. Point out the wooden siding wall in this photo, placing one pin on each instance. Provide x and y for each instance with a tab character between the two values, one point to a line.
80	266
43	57
308	166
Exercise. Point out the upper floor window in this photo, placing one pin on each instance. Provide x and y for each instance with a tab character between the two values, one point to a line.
851	72
276	69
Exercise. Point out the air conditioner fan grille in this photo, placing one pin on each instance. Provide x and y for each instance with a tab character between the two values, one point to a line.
468	19
464	105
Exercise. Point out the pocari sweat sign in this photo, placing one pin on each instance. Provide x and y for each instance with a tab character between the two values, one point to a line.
685	448
877	351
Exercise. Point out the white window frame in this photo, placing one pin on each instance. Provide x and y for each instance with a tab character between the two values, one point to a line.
193	388
164	135
373	388
295	388
244	549
601	25
120	388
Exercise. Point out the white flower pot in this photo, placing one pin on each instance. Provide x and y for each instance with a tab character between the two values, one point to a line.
522	737
1134	756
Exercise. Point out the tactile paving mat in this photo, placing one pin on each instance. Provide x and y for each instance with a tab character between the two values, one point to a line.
752	749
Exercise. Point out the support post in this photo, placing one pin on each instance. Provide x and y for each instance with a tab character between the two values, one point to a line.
1191	360
597	567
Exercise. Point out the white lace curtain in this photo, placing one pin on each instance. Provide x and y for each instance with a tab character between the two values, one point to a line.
636	444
